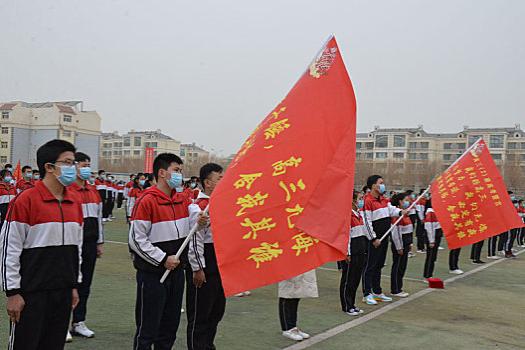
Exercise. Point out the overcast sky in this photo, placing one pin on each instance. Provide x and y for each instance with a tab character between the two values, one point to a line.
209	71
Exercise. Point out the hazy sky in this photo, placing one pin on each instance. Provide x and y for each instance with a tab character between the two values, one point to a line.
209	71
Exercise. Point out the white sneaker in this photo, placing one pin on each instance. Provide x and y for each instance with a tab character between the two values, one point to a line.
401	295
291	334
69	337
369	299
494	257
440	248
381	297
82	330
301	333
247	294
354	312
240	295
411	255
456	272
181	311
421	252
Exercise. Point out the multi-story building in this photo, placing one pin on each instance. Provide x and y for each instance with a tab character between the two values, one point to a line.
116	148
191	153
27	126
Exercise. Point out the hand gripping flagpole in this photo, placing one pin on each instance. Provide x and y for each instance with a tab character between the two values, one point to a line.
426	191
185	243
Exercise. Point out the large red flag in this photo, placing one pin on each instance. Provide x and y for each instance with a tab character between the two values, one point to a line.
17	174
471	201
283	205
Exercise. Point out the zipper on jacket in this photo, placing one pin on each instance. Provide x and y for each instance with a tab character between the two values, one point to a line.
62	216
175	220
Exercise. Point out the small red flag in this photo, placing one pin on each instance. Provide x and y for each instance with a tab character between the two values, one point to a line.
17	175
149	155
471	201
283	205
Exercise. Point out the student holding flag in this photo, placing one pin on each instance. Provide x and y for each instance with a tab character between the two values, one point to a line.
434	236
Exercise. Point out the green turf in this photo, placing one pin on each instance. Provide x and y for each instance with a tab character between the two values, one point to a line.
482	311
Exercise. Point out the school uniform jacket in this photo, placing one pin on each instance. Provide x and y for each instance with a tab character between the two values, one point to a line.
159	224
24	185
101	187
402	228
420	209
431	225
92	212
201	252
133	195
378	213
7	193
357	228
128	188
41	242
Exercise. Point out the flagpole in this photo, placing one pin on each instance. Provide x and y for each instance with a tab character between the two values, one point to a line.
184	244
427	190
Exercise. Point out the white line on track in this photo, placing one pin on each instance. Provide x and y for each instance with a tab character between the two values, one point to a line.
356	322
116	242
384	276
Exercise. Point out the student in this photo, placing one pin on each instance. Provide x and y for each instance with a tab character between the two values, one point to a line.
110	198
205	300
41	248
27	179
434	235
521	234
36	175
135	192
492	246
7	192
401	237
159	224
290	293
377	216
120	193
352	267
475	253
93	240
420	229
101	186
453	262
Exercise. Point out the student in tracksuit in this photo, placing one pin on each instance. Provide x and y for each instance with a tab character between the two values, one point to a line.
492	244
511	236
7	193
120	194
521	234
434	235
401	245
27	179
135	193
420	229
159	224
352	267
475	253
41	243
205	300
377	216
110	197
453	261
93	242
101	186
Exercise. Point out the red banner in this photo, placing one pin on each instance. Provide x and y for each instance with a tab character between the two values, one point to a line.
283	205
17	174
148	159
471	201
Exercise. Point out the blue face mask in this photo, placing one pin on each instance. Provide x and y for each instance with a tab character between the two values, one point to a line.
8	179
84	173
68	174
175	180
406	204
360	204
193	185
142	182
382	188
28	176
413	196
36	177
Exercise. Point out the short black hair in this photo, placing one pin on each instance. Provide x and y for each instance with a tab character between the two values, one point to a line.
409	192
163	161
372	180
36	171
49	153
207	169
82	157
428	204
8	165
25	167
4	172
365	188
397	198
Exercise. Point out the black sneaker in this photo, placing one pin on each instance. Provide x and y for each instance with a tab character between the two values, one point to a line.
478	262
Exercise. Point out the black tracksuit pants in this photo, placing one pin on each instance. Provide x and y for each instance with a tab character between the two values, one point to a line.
288	313
157	309
475	251
44	321
420	234
352	272
492	244
399	264
89	258
453	259
431	257
509	240
120	199
205	308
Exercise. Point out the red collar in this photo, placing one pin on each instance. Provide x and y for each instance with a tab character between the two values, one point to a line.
47	196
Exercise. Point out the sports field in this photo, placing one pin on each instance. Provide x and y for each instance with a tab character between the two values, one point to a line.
484	309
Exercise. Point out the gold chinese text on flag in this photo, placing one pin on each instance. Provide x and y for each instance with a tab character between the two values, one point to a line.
283	205
471	201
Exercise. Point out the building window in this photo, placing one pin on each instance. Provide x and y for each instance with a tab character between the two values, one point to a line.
68	118
523	145
418	145
369	145
454	145
496	141
136	153
381	141
450	156
5	115
182	152
5	130
473	138
512	145
66	133
127	152
423	156
117	144
107	145
399	155
4	145
381	155
106	153
399	141
369	155
127	141
522	157
3	159
358	145
496	156
137	141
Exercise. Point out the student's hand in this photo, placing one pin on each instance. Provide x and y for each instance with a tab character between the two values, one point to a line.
203	220
100	250
171	262
376	243
404	212
15	306
400	251
432	245
348	258
74	298
199	278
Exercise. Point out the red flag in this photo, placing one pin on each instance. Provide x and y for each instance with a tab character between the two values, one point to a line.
148	159
283	205
17	175
471	201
